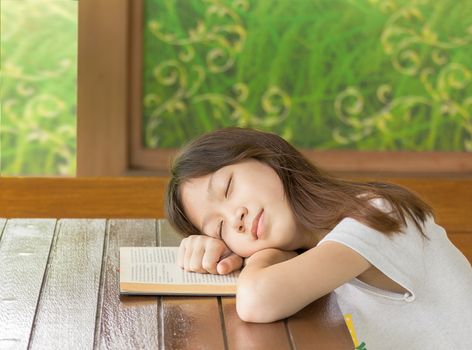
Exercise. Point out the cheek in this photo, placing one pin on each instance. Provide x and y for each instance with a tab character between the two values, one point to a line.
240	247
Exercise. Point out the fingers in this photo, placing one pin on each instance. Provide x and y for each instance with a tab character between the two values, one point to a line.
193	250
229	264
202	253
181	254
213	253
196	259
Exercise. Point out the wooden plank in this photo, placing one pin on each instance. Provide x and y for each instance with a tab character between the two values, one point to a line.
144	198
392	162
126	322
82	197
463	241
345	162
450	199
24	252
243	335
102	88
136	126
189	323
320	325
68	302
168	237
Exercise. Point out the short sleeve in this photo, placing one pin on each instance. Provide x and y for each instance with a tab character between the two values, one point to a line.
395	255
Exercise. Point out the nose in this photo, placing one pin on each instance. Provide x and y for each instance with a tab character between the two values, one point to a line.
240	219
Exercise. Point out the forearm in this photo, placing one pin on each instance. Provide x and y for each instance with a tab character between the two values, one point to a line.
261	296
266	258
270	292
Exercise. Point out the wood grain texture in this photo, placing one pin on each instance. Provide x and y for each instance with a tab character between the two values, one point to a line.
320	325
68	302
366	163
136	20
463	241
392	162
82	197
450	199
188	322
168	237
24	251
102	88
144	198
191	323
244	335
126	322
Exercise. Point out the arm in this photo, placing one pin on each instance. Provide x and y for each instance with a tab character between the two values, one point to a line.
271	287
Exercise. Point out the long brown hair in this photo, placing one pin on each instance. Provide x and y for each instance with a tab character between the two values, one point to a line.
319	201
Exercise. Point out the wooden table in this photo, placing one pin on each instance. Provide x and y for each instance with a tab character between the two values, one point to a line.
59	290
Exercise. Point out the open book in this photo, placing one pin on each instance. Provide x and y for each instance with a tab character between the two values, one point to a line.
154	270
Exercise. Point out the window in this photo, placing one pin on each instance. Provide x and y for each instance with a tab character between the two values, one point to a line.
114	137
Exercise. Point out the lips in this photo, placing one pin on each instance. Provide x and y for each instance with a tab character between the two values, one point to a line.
255	224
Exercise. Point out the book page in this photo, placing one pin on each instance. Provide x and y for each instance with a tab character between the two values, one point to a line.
158	265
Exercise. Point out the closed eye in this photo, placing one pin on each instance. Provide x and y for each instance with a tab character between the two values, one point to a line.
227	187
220	229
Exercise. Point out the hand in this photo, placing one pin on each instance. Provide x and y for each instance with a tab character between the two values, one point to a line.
199	253
270	256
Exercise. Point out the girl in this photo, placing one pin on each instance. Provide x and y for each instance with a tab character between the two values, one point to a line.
244	194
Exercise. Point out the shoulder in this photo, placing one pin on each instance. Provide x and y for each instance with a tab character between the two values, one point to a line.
339	247
340	256
395	255
331	265
356	234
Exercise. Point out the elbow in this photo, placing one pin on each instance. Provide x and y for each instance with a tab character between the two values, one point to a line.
254	302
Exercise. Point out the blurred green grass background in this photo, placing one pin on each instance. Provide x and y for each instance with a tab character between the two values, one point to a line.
326	74
38	72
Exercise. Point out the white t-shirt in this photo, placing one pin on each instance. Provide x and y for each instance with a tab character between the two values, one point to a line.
436	313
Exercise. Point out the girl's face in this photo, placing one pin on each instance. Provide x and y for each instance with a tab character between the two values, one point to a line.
243	204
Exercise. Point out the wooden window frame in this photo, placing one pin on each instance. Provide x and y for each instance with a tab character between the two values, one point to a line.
109	109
